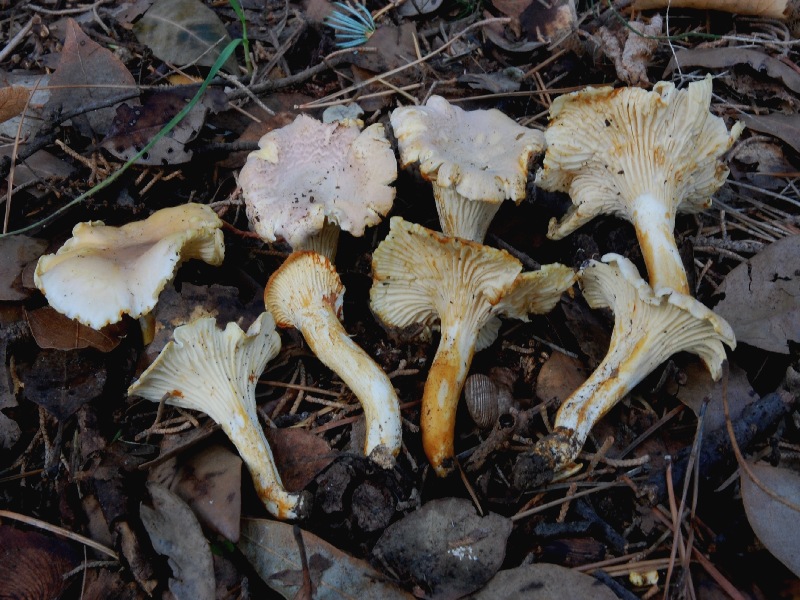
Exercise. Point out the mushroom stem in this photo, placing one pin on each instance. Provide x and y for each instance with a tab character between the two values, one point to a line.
331	343
442	391
324	242
306	293
654	221
245	432
461	217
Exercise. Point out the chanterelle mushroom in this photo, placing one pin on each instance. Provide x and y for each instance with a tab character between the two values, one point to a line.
104	272
306	293
639	155
649	327
474	159
310	179
215	371
420	276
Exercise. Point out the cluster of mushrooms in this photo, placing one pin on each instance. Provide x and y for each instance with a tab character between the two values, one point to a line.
642	155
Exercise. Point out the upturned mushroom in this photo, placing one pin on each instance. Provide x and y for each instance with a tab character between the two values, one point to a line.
649	327
306	293
639	155
215	371
474	159
309	180
424	277
102	273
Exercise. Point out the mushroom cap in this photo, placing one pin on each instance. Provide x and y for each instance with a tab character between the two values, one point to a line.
212	370
303	282
421	276
308	171
103	272
660	322
607	147
483	154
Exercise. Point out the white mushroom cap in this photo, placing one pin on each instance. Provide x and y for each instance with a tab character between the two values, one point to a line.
215	371
639	155
649	327
308	173
103	272
306	293
420	276
475	160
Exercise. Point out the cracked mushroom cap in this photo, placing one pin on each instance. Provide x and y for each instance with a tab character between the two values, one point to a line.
103	272
649	327
480	156
641	156
424	277
309	173
306	293
215	371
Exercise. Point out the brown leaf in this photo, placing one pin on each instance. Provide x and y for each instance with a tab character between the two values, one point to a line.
175	532
724	58
300	455
272	549
559	377
17	251
210	482
762	297
53	330
784	127
775	523
543	582
12	101
32	565
87	74
700	386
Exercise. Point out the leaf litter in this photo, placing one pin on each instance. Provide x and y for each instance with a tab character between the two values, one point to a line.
68	435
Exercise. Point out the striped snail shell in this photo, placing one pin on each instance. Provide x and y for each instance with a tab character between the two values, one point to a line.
480	394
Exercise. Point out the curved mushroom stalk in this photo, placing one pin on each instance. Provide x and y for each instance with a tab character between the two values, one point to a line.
420	276
474	159
306	293
649	327
309	180
640	155
215	371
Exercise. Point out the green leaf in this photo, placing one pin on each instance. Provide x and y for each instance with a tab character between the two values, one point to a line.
184	32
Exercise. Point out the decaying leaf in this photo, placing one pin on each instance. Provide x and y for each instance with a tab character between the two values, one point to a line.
418	7
631	48
272	549
761	8
62	381
87	74
506	80
175	532
184	32
134	126
210	482
40	166
53	330
32	565
445	548
543	581
32	121
534	23
784	127
724	58
775	523
559	377
299	454
17	251
12	101
700	386
762	297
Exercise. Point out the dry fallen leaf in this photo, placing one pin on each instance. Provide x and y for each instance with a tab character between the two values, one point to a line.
761	8
17	251
700	386
272	549
175	532
784	127
53	330
12	101
775	523
762	297
543	581
87	74
32	565
299	454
